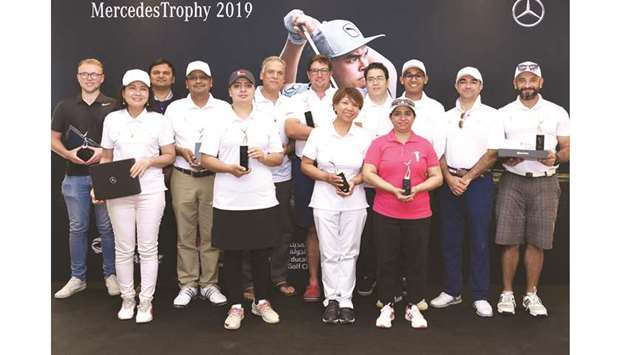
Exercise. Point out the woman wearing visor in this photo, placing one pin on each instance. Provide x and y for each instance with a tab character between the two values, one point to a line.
403	167
136	132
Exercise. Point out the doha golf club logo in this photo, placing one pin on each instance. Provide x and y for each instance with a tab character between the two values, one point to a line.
528	13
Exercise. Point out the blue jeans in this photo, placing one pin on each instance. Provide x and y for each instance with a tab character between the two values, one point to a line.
473	210
76	191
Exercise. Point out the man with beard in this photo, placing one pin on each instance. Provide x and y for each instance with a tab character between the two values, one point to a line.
341	41
161	73
529	191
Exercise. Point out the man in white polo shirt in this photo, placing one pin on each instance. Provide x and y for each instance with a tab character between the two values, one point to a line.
192	187
315	102
269	100
474	133
430	114
529	191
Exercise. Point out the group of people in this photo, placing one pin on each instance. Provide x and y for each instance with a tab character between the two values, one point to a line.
366	171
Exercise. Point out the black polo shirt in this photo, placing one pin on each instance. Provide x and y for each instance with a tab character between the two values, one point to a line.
87	118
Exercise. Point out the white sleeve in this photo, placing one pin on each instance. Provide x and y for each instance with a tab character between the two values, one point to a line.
311	147
166	135
495	139
106	140
563	123
211	140
275	143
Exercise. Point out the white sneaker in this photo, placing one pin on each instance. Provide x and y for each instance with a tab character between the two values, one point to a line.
145	312
127	309
184	297
483	308
73	286
264	310
385	317
213	294
533	304
444	300
416	318
235	316
422	305
111	283
506	303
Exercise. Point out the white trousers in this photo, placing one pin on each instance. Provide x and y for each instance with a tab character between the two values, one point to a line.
136	217
339	242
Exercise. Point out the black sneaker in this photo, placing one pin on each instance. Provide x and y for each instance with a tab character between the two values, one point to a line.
331	313
347	316
366	286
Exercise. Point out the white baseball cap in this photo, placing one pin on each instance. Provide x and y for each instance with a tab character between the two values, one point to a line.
341	37
402	101
132	75
473	72
198	65
413	63
529	67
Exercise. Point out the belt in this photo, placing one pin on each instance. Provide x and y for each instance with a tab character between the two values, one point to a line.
460	172
195	173
532	175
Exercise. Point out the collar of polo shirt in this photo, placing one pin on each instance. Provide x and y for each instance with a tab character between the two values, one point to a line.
476	105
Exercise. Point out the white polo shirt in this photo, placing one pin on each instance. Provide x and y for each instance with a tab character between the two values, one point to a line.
322	111
482	130
430	122
279	111
375	117
138	138
522	124
251	191
190	122
347	153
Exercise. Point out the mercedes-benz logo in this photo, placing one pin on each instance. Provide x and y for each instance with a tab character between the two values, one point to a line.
113	180
351	30
529	16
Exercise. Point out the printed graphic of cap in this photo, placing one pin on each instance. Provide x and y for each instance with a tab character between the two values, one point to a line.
402	101
414	63
341	38
471	71
241	73
198	65
529	67
132	75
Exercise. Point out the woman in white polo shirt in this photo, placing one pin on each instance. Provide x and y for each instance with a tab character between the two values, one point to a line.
245	212
135	132
339	206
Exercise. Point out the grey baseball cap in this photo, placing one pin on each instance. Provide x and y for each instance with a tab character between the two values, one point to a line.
340	38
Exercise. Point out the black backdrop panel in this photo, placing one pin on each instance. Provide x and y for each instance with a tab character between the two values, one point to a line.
445	34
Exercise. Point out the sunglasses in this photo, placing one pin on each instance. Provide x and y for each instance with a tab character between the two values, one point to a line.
462	119
523	67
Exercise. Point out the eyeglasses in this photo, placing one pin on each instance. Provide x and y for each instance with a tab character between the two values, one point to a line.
413	76
462	119
377	79
319	71
85	75
198	77
523	67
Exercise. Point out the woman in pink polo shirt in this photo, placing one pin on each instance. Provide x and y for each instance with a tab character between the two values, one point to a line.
402	213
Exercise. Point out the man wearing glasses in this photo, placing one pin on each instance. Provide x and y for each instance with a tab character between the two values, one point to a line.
474	133
84	112
191	187
429	120
341	41
316	104
529	191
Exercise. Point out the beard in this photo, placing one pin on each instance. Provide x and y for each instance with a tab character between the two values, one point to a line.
528	94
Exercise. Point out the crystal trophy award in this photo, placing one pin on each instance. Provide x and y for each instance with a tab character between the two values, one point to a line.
345	184
85	153
243	151
197	145
407	179
540	137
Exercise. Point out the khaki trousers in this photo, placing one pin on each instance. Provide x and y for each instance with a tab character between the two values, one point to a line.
192	201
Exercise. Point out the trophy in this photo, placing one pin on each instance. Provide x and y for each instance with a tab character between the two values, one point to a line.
197	145
85	152
309	119
540	137
407	179
345	184
243	150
